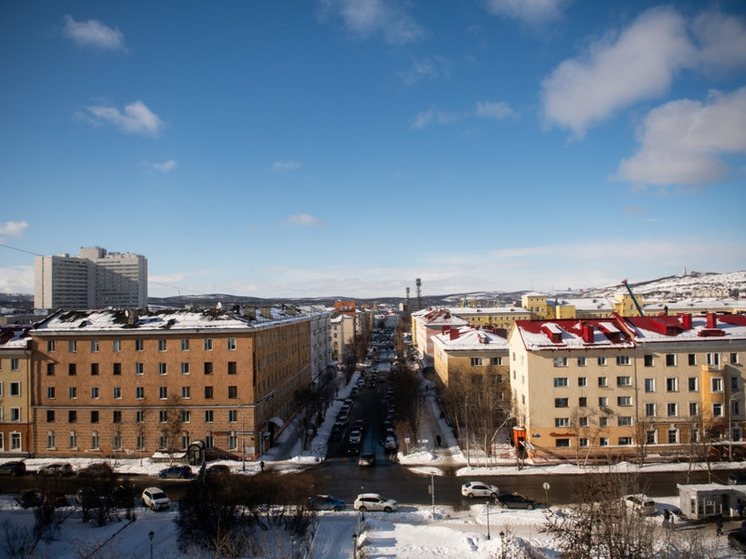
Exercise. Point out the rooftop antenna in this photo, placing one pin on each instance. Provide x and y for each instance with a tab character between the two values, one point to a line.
408	301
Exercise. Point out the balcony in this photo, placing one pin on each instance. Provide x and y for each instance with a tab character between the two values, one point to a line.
719	368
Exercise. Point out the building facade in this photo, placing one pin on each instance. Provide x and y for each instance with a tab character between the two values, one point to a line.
120	382
94	279
15	391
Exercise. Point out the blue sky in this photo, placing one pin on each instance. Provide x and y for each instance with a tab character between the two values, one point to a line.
347	147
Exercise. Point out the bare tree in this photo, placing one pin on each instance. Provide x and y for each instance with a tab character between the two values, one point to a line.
174	425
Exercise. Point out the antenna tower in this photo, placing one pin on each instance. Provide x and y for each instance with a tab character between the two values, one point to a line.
418	282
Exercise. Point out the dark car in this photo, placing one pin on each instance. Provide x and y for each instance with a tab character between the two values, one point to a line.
737	478
176	472
326	502
56	469
14	468
29	498
218	470
737	540
514	501
99	470
366	460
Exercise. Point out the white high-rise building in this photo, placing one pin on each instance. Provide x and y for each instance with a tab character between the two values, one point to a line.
94	279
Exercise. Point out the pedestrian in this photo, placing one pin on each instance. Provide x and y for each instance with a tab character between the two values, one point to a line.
739	509
719	531
438	440
666	518
261	465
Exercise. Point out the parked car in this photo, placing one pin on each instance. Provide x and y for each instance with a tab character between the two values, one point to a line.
514	501
373	501
176	472
641	504
218	470
155	499
343	417
337	431
737	540
353	449
326	502
100	470
56	469
87	497
390	442
473	489
29	498
355	436
14	468
737	478
367	459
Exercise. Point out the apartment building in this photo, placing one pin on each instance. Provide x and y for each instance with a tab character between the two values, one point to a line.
495	317
15	392
343	333
628	386
111	382
94	279
425	324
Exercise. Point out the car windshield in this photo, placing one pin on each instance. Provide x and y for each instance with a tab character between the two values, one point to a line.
159	495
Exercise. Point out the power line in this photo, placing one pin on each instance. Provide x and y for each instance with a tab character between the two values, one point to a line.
20	250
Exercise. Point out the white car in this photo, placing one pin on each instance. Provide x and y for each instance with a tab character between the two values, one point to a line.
155	499
641	504
479	489
373	501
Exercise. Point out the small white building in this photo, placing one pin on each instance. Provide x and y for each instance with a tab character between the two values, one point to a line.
700	501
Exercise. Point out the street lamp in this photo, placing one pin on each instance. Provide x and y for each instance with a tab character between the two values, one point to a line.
488	519
151	535
354	546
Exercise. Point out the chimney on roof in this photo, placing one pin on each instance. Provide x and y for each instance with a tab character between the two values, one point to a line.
454	333
712	321
686	321
132	316
266	311
588	334
445	329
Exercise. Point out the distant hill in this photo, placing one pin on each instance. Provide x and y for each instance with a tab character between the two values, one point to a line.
668	288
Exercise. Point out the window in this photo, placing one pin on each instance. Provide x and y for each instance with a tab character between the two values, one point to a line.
232	441
94	416
496	361
624	421
624	401
209	441
208	392
163	392
717	384
72	346
184	344
94	346
94	369
15	414
116	346
116	369
162	440
50	346
649	410
602	361
232	416
50	440
622	360
233	392
73	440
670	359
693	384
161	345
581	361
116	416
72	392
603	441
116	441
208	344
582	381
562	443
561	422
139	416
717	409
138	345
734	358
476	361
208	367
15	388
560	361
162	416
649	385
603	402
162	370
50	392
139	368
583	421
186	393
140	442
184	368
186	416
672	384
94	392
72	416
673	436
231	344
208	416
648	360
672	409
561	402
651	436
72	369
692	359
624	381
14	363
50	369
582	402
583	442
603	421
140	392
117	392
185	440
602	382
693	408
713	359
560	382
625	441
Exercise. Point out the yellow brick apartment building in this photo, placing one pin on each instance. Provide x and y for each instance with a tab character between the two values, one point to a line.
15	391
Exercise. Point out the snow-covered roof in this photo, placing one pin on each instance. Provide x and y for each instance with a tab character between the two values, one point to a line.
573	333
468	311
471	339
13	338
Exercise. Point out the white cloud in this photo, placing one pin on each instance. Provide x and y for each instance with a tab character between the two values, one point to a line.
374	18
287	165
93	33
721	40
498	110
136	118
12	229
684	141
533	12
422	119
164	167
304	220
17	279
430	67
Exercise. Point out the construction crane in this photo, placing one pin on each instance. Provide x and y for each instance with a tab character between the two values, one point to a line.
634	299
